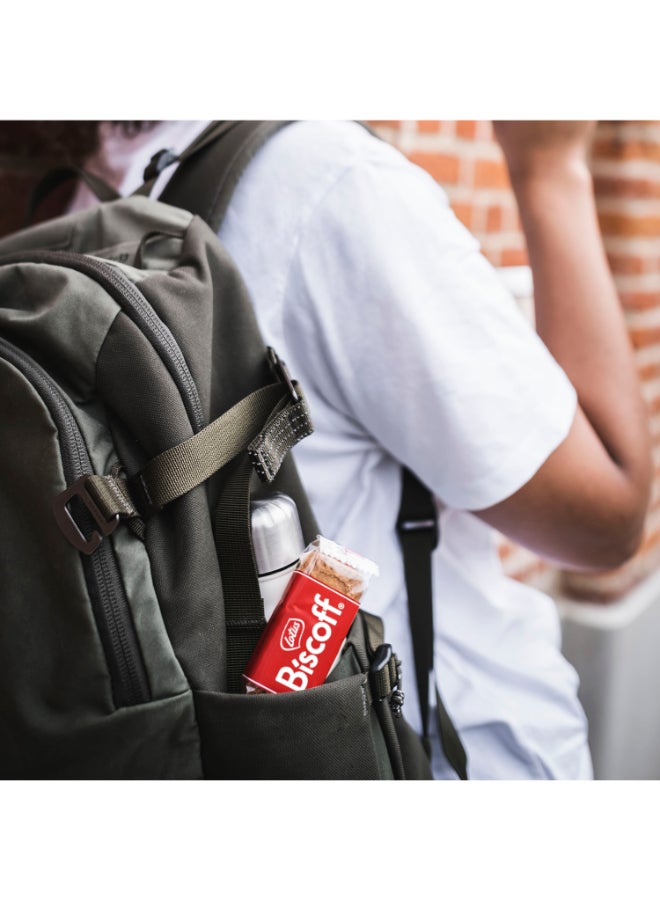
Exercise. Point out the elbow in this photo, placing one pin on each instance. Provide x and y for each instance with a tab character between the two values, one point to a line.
614	546
627	525
615	533
621	550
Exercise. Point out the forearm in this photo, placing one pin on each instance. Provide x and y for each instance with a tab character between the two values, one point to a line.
578	314
585	506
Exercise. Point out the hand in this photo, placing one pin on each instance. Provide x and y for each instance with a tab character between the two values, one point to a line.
543	148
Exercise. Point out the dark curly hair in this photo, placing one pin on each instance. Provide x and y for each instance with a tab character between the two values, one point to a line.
57	141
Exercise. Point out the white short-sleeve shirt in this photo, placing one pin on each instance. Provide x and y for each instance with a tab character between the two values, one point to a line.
410	352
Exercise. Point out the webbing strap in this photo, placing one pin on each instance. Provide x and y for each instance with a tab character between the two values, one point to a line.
417	527
267	422
374	631
386	679
244	608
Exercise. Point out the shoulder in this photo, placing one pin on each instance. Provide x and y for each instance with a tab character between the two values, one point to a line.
334	199
328	147
304	165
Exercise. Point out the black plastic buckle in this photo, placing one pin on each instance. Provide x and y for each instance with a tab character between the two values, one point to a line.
68	525
384	657
159	161
281	372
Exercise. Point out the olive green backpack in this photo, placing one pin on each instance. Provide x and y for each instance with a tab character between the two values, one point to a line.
140	412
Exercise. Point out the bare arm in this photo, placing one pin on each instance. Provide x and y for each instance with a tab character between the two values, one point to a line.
585	507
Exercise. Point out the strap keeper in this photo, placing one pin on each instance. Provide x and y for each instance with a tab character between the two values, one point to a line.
419	526
159	162
141	497
279	369
385	678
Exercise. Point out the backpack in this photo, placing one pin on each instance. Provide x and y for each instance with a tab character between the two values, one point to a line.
141	412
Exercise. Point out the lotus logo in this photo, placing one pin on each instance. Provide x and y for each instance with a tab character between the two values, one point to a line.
292	634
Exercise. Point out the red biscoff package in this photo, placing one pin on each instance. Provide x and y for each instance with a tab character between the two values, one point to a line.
307	629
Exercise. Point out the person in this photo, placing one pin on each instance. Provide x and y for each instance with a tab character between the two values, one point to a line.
411	353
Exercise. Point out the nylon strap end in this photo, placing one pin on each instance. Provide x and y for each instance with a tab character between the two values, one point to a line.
283	431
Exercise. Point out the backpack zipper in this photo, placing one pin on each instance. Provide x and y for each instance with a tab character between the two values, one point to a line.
137	308
130	685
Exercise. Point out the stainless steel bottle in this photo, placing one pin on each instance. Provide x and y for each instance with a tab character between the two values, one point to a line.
278	541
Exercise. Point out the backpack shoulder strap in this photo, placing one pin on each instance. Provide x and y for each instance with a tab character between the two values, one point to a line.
210	168
418	530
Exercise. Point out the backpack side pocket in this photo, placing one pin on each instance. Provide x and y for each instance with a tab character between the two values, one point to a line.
325	732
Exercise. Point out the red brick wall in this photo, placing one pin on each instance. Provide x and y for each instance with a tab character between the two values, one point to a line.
465	159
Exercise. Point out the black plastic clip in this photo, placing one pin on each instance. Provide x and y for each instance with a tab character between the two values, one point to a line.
159	162
68	525
385	678
281	372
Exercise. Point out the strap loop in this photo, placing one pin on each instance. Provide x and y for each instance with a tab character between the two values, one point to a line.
385	678
283	431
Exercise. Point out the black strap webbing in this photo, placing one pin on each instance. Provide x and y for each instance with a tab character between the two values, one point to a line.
418	531
244	607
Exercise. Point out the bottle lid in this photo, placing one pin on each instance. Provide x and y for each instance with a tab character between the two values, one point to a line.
277	537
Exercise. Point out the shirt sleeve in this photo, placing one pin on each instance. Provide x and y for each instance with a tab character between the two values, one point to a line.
406	329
